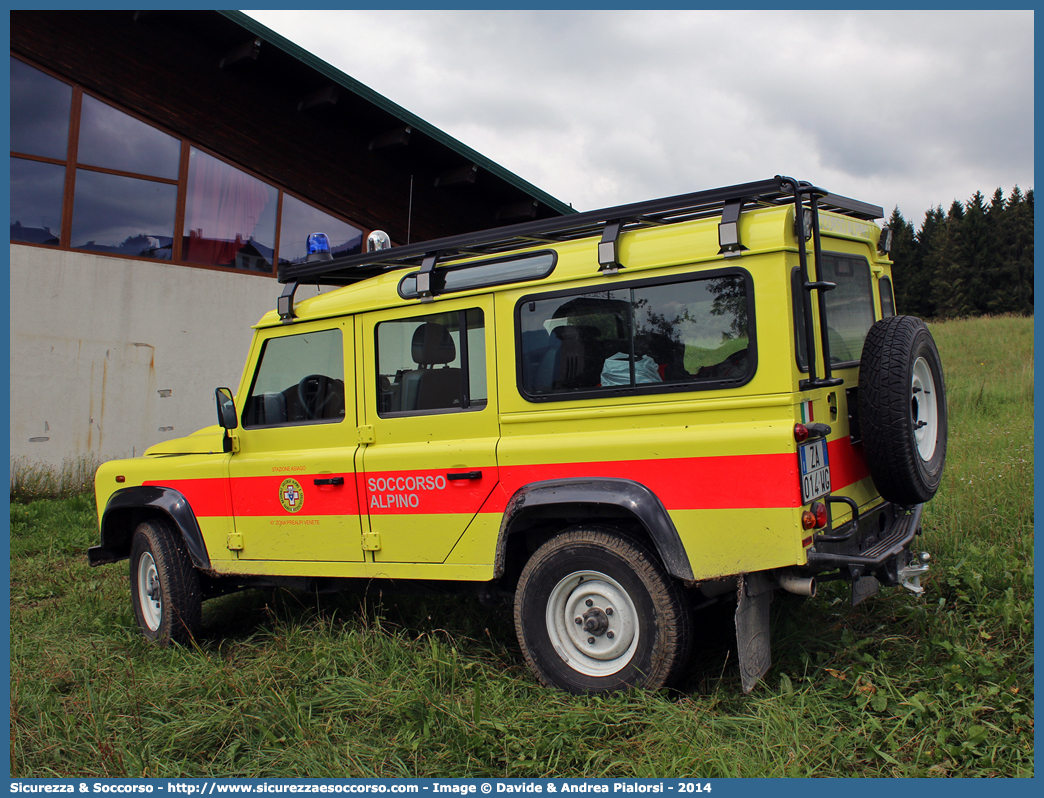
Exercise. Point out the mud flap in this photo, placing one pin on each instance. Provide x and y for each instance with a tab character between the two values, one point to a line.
753	639
863	588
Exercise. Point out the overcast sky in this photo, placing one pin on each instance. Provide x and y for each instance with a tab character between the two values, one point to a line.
601	108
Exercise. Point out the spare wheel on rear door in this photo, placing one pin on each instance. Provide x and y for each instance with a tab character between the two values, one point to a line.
902	410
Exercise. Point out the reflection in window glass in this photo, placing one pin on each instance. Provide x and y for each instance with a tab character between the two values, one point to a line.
850	306
483	274
422	364
115	140
39	112
299	220
230	217
123	215
300	378
36	201
689	332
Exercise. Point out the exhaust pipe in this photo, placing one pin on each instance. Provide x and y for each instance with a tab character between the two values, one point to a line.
799	585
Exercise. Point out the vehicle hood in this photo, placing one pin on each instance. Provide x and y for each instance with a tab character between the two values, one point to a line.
209	440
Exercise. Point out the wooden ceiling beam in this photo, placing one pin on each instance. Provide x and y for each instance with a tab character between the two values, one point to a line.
392	139
324	96
461	175
247	50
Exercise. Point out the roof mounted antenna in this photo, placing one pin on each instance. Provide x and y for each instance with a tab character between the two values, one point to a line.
409	213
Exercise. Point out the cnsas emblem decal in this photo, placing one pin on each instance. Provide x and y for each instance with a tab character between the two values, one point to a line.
291	496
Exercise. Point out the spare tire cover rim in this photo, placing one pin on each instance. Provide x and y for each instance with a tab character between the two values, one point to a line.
924	409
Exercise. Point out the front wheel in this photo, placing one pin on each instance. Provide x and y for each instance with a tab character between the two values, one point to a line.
165	588
595	612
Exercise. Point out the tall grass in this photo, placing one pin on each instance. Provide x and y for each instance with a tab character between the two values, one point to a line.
31	479
283	684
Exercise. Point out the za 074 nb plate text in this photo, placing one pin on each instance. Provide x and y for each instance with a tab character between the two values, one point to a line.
815	470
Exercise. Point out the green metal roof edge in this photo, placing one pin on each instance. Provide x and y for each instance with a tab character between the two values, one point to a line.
270	36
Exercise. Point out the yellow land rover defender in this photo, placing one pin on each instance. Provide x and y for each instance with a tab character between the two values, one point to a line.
613	416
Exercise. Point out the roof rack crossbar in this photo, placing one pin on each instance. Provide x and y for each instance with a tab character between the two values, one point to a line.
668	210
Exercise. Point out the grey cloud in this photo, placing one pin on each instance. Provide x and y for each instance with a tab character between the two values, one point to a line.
601	107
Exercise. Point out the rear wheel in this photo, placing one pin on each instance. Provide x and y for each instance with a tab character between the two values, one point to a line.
165	589
595	611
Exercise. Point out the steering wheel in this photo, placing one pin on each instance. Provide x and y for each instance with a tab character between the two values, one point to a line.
314	393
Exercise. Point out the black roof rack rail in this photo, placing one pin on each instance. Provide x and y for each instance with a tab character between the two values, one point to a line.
608	223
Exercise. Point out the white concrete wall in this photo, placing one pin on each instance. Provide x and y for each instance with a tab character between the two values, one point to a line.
109	356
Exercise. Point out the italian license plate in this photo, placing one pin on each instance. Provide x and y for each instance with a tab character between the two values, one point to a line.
815	470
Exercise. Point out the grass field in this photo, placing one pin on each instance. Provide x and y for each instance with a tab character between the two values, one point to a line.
281	684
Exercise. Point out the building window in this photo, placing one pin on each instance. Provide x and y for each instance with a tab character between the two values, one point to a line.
299	220
40	108
36	201
230	217
114	140
130	184
123	215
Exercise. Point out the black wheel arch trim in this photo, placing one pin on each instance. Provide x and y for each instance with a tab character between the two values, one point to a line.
136	503
626	494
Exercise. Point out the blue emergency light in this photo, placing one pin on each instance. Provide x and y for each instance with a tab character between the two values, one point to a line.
318	246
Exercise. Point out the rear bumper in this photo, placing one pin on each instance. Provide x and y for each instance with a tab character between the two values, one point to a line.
871	552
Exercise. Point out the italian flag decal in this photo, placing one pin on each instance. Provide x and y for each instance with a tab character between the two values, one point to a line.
806	412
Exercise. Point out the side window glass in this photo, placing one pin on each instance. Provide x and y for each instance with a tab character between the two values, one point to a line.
849	307
887	301
299	380
431	363
686	333
799	319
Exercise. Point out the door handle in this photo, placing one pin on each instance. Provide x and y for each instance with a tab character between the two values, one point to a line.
329	481
464	475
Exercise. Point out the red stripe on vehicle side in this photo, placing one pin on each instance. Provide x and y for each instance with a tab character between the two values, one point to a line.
427	491
847	463
206	497
259	496
686	483
693	483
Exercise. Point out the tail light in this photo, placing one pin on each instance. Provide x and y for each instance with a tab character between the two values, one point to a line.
815	517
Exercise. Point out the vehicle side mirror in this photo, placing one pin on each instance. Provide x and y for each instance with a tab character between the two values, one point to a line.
226	409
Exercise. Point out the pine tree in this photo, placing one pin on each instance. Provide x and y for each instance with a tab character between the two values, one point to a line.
902	254
976	263
949	283
1016	244
925	264
976	258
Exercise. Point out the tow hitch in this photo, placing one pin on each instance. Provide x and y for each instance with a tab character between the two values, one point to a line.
911	573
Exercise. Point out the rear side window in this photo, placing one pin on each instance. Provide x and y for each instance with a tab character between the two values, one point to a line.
299	380
887	301
637	338
849	308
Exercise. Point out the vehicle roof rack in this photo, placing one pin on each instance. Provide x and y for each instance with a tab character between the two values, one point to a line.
609	223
